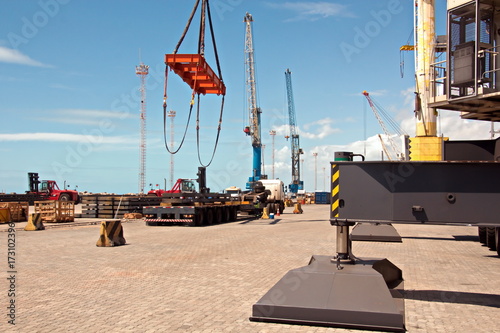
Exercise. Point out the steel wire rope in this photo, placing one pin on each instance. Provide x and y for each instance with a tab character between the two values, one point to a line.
165	119
186	28
201	51
202	45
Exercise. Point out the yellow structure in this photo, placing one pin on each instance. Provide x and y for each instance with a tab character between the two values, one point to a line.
426	148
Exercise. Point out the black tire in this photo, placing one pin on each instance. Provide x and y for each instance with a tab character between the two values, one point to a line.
209	217
282	207
490	238
218	215
270	208
198	218
234	214
482	234
65	197
497	239
226	214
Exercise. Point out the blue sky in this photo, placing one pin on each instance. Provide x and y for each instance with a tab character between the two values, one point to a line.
70	99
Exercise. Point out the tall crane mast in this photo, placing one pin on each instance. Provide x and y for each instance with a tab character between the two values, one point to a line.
254	111
296	183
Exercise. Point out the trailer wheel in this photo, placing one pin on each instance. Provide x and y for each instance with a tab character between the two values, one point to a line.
226	214
490	238
234	214
198	218
497	239
271	208
218	215
209	217
482	234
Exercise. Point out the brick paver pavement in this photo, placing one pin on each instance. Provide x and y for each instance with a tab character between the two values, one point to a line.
185	279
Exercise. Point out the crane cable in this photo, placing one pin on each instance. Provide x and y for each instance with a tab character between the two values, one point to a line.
402	56
201	51
223	96
186	28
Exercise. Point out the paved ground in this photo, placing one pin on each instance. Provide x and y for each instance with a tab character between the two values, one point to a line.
182	279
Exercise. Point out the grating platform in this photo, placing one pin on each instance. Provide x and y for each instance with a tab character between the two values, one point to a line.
195	71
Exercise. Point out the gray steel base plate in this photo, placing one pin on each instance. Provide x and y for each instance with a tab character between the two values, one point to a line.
375	232
364	295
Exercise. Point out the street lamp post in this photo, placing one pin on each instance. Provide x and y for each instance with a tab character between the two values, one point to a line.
273	134
315	170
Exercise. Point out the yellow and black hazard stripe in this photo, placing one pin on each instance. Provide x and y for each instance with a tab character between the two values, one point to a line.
111	234
335	191
34	222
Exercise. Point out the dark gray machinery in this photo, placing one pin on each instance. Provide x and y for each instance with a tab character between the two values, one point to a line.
463	189
346	291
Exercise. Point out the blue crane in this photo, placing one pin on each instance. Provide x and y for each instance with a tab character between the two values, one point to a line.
254	111
296	183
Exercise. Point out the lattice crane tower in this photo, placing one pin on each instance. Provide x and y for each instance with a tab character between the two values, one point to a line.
142	70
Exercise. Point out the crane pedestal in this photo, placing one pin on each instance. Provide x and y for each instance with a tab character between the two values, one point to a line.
340	291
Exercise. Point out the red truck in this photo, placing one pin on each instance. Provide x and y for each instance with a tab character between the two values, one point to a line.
42	190
180	186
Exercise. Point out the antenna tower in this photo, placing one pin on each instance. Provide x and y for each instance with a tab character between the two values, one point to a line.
142	70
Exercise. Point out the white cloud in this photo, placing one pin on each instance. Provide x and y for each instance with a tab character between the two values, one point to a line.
312	10
66	137
94	113
86	116
15	57
319	129
451	125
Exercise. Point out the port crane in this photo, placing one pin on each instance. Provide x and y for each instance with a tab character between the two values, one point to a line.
254	128
379	113
296	183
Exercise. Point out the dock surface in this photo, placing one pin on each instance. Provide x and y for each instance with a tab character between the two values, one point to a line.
206	279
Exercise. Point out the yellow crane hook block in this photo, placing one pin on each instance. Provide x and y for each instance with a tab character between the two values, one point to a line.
297	209
111	234
34	222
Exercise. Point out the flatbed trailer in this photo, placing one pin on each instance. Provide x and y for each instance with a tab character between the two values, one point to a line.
28	197
196	209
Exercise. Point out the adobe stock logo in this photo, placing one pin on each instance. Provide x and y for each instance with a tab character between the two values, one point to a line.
364	36
223	6
31	26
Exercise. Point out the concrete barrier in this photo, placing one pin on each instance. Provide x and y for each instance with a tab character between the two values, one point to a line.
34	222
297	209
265	213
111	234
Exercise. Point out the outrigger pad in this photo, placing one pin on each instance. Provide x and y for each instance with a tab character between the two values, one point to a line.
375	232
365	295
